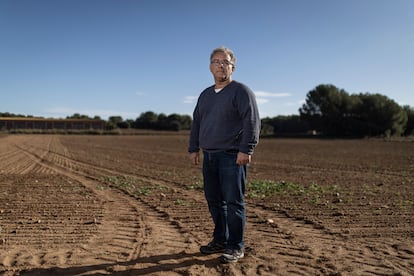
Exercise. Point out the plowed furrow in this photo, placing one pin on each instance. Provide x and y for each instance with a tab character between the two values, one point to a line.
288	231
124	231
156	225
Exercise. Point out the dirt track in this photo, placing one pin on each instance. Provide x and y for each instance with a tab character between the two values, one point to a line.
131	205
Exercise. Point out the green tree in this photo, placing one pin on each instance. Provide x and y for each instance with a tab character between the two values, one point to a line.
379	115
178	122
78	116
185	121
118	121
409	129
334	112
285	125
328	109
267	127
147	120
110	125
130	123
162	122
150	120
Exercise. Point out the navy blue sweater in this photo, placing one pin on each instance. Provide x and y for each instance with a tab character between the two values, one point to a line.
228	120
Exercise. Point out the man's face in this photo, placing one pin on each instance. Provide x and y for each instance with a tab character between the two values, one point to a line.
221	67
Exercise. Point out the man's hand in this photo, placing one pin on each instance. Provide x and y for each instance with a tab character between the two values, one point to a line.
243	158
195	158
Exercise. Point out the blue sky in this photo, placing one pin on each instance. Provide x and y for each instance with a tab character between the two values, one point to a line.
124	57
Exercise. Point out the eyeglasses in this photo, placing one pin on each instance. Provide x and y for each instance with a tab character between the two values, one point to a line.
224	62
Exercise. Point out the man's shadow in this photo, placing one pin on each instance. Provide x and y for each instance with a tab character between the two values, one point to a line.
155	264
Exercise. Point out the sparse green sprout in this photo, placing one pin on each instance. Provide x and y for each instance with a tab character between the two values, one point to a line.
143	190
132	184
262	188
179	202
317	193
197	184
101	187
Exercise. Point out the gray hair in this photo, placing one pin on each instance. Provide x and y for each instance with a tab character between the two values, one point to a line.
225	50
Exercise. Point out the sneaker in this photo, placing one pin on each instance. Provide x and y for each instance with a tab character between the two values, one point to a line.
232	255
212	247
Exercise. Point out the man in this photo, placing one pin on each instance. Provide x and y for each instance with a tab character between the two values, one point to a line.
226	127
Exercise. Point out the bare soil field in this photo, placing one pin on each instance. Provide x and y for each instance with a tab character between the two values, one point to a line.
134	205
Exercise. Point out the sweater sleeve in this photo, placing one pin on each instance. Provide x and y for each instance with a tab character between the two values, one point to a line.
251	121
194	132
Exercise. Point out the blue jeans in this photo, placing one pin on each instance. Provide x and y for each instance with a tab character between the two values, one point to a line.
224	186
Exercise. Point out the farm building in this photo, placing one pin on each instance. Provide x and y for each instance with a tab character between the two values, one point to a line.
13	123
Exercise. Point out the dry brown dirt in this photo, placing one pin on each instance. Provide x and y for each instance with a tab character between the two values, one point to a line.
133	205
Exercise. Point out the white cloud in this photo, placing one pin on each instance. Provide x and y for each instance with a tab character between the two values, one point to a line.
264	94
261	100
140	94
295	103
190	99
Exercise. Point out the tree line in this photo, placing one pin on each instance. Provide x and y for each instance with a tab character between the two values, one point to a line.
147	120
327	111
330	111
152	120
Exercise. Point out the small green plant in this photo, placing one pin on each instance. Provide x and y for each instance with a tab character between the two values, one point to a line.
197	185
130	184
101	187
79	191
143	191
404	204
124	182
179	202
262	188
315	192
316	199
